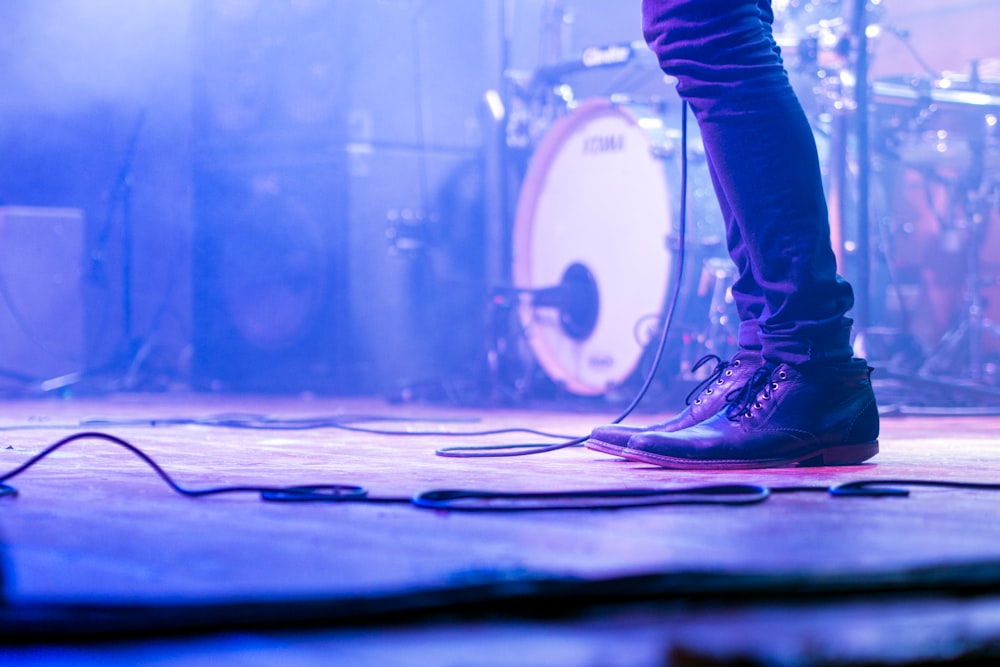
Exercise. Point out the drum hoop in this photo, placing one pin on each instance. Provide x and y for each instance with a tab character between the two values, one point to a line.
548	149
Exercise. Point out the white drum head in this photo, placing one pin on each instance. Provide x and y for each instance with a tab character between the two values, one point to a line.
595	195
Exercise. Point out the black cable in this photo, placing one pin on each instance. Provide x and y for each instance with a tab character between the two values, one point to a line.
500	501
300	493
724	494
890	487
496	501
492	451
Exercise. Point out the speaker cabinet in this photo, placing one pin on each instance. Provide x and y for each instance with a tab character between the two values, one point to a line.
325	131
270	197
269	72
270	280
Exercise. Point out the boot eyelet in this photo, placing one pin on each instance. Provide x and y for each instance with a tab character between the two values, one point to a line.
783	375
774	386
729	374
757	406
708	392
697	401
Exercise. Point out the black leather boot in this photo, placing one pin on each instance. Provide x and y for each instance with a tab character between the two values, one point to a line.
706	399
789	415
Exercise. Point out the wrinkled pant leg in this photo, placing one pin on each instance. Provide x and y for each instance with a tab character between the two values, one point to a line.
747	294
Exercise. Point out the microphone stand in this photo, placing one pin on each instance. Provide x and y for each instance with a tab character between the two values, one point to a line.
130	351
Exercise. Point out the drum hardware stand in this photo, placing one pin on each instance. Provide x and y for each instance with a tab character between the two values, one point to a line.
862	308
521	107
576	298
720	337
968	334
512	116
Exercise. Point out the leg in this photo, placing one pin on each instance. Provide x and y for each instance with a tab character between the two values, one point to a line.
810	402
761	146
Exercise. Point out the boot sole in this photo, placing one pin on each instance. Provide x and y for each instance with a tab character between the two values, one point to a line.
605	447
833	455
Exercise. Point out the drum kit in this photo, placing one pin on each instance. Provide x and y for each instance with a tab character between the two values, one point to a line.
940	135
595	238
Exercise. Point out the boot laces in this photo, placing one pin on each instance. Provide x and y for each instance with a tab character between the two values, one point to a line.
755	393
722	369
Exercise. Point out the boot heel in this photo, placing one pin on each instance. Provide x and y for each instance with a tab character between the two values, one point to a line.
844	455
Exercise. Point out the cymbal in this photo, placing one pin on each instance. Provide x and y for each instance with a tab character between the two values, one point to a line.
954	91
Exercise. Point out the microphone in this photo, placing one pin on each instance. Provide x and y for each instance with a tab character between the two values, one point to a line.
576	297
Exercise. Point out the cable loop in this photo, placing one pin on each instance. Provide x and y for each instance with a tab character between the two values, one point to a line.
466	500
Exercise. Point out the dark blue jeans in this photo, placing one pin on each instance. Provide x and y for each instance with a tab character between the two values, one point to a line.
765	168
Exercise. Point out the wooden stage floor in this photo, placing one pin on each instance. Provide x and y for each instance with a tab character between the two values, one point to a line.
103	564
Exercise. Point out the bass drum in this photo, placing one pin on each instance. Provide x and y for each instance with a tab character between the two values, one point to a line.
591	242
